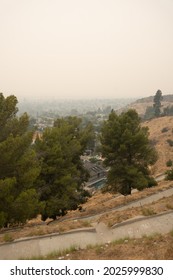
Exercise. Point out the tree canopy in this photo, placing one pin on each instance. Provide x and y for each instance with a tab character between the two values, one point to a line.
19	166
45	178
62	172
127	152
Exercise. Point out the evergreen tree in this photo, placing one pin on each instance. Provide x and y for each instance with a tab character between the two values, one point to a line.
19	166
62	171
157	103
127	152
149	113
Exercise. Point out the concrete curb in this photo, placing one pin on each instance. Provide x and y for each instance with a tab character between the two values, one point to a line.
143	218
112	209
49	235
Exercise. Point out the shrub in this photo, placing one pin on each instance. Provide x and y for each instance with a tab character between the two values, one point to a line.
165	129
93	160
148	211
7	237
169	163
170	142
169	174
152	182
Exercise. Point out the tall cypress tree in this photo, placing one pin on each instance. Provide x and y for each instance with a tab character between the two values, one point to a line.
157	103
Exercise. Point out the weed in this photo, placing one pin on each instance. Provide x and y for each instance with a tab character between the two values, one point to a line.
110	224
98	249
37	232
56	254
120	241
169	163
152	236
165	129
170	142
148	212
169	206
7	237
86	224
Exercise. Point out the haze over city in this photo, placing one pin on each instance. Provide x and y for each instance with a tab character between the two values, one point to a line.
86	49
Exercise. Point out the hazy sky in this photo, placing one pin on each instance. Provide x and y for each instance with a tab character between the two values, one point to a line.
86	48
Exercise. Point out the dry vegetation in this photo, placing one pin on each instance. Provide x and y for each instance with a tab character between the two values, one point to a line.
161	129
96	204
162	205
129	249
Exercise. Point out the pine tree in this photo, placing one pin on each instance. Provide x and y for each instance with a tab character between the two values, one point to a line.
127	152
62	171
19	166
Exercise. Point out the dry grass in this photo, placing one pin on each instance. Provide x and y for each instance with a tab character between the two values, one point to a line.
99	202
124	249
42	229
160	206
159	138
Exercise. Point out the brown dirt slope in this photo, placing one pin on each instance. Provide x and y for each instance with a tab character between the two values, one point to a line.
161	131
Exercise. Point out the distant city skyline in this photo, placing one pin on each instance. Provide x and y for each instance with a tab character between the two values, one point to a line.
84	49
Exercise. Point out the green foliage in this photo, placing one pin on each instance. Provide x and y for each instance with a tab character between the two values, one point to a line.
148	211
7	238
93	160
62	171
27	199
169	163
168	111
127	152
169	175
170	142
18	164
151	182
157	103
149	113
165	129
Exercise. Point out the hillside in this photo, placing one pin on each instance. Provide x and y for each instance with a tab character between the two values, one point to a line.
161	131
140	105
